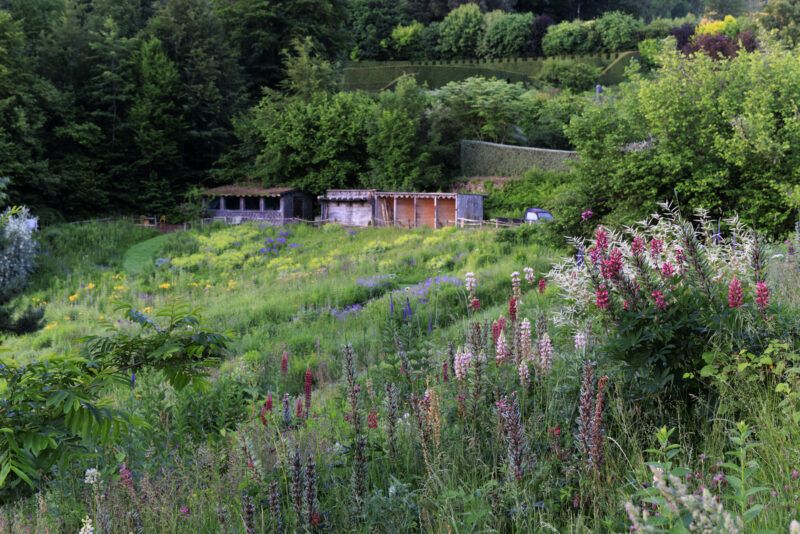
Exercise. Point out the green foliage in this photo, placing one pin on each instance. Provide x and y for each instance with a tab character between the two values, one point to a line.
782	17
649	49
306	73
618	31
409	41
397	144
570	75
173	342
369	23
534	190
546	115
485	109
488	159
72	253
461	31
158	126
567	37
62	412
508	36
260	30
712	147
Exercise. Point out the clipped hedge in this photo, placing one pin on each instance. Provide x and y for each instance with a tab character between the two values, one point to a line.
479	158
374	76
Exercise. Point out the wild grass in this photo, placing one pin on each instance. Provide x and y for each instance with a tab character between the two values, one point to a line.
448	469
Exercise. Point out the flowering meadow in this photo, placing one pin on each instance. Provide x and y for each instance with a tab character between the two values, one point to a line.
300	379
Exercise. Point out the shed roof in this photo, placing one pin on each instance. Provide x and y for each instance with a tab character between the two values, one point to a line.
345	195
247	190
397	194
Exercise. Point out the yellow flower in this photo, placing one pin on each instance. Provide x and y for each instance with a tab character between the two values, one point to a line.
51	326
147	309
138	396
164	286
66	318
73	298
194	284
231	284
119	288
208	286
90	287
102	317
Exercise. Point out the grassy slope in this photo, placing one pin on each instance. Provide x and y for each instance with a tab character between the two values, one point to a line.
140	255
281	301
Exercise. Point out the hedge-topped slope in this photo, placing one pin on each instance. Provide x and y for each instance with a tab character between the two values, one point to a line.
374	76
479	158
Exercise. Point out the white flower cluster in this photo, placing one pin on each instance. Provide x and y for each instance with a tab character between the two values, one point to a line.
17	253
708	514
726	255
92	477
87	527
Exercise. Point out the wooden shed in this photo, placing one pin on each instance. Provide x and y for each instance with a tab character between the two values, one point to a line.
406	209
435	210
350	207
237	203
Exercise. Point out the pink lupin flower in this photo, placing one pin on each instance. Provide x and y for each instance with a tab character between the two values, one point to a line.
656	247
529	276
601	298
762	295
667	270
542	286
475	304
512	309
658	297
524	374
601	239
735	293
637	246
284	363
502	349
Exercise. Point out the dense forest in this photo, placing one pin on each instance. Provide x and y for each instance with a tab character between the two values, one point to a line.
124	106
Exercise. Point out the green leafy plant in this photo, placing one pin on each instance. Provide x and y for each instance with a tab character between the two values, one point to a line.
174	342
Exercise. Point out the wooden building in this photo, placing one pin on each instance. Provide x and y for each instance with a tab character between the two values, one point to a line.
405	209
350	207
238	203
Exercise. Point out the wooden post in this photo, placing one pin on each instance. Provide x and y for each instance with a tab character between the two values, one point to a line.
394	213
260	203
435	213
415	212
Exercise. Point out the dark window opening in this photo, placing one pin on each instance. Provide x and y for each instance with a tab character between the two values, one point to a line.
212	203
232	203
252	203
272	204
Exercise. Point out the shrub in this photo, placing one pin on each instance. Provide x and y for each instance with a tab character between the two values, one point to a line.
485	109
508	36
683	34
564	38
717	46
618	31
545	116
17	253
461	32
407	41
369	23
728	26
700	147
567	74
648	50
671	292
534	190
